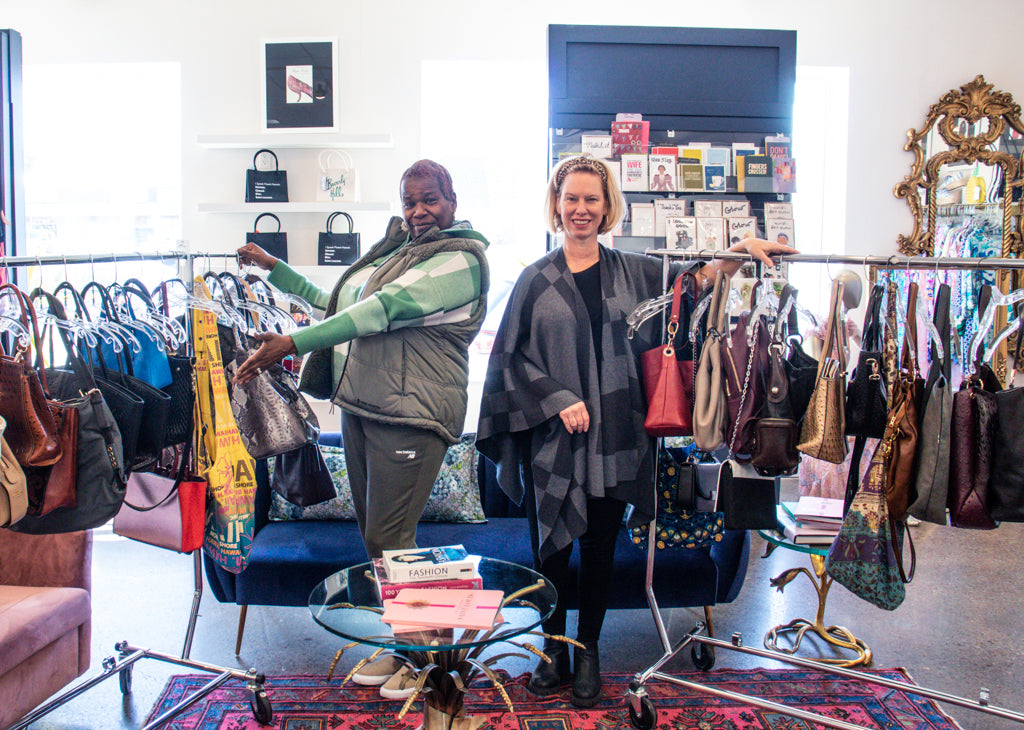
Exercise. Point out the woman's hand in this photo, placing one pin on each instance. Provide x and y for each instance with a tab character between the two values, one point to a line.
274	348
576	418
250	253
759	248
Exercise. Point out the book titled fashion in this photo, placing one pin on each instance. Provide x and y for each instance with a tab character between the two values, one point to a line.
680	232
596	145
634	172
410	566
466	609
387	589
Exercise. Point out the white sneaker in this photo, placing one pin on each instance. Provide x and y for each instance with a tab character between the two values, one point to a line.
400	686
377	672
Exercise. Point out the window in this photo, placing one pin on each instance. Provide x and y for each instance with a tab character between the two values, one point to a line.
102	166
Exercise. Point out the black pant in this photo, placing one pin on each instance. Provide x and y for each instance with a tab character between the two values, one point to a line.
597	553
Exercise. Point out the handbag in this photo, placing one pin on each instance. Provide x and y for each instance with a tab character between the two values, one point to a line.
668	381
862	557
674	525
774	451
148	360
13	486
274	243
710	411
337	182
745	498
337	249
266	186
866	408
745	363
932	480
902	425
165	507
821	435
31	432
50	487
801	370
972	436
302	477
228	468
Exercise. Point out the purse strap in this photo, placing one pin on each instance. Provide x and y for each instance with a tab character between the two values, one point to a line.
872	332
835	331
269	152
908	356
183	469
718	322
941	320
27	314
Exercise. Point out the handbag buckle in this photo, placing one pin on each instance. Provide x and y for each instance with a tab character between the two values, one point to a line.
875	373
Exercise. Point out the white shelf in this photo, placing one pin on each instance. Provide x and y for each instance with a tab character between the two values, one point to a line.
298	141
307	207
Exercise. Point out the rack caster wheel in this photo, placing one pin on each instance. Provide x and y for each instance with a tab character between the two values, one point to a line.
648	715
124	680
260	706
703	657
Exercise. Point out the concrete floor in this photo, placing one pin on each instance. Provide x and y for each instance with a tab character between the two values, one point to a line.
960	629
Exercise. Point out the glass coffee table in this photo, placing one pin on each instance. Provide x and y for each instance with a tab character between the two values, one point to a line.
347	604
839	637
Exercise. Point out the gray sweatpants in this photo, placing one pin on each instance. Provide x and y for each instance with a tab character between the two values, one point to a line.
391	469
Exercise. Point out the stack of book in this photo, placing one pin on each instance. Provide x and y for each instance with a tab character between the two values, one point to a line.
811	520
417	609
444	568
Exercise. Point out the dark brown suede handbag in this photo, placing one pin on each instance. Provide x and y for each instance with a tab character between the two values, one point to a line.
970	450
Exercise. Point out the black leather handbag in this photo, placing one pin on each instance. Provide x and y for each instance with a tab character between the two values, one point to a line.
866	407
266	186
301	477
273	242
337	249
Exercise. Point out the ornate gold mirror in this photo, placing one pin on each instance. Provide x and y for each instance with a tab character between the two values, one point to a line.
968	160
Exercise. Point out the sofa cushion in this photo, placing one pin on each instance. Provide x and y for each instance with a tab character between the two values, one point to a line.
454	498
32	618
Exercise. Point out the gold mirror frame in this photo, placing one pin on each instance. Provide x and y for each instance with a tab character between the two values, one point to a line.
972	102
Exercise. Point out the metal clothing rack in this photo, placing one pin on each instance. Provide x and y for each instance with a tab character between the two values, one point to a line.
127	653
642	712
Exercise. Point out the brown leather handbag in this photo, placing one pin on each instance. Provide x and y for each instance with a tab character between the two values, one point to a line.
31	431
822	435
50	487
902	434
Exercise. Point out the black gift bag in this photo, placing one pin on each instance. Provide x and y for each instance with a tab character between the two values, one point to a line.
337	249
275	242
266	186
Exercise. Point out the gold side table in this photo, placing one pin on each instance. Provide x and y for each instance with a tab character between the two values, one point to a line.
839	637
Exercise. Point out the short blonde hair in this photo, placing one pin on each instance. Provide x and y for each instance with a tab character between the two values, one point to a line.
609	183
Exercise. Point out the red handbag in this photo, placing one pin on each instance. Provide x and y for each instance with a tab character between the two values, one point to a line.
668	381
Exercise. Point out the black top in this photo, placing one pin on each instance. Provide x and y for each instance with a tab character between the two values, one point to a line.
588	282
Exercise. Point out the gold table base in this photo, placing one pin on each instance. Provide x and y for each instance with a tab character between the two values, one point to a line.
837	636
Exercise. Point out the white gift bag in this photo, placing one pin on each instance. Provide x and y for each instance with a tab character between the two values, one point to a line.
339	179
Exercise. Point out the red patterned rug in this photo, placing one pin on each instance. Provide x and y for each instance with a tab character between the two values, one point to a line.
310	703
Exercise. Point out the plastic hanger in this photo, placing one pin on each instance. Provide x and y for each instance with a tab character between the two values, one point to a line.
15	327
998	299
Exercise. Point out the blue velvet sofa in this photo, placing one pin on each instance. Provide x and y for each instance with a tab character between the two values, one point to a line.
289	558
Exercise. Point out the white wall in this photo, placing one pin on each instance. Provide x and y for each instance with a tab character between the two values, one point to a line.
896	72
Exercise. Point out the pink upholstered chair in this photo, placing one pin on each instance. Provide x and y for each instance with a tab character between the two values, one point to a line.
45	617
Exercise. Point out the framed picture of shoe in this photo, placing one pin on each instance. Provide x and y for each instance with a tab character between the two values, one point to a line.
300	84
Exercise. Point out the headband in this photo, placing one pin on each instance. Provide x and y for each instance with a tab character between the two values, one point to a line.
583	163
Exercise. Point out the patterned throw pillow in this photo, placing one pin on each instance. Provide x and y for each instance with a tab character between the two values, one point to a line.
454	498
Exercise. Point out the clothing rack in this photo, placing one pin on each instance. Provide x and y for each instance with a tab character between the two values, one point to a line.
128	654
641	708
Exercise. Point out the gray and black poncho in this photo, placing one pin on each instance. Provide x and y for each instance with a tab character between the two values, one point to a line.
542	362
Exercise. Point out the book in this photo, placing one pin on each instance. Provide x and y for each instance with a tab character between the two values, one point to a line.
820	509
740	228
680	231
783	175
719	156
597	145
691	176
779	229
803	534
707	208
757	174
778	210
664	207
634	172
386	589
711	234
669	150
735	208
431	607
778	146
739	149
445	562
714	178
641	215
630	136
691	155
662	170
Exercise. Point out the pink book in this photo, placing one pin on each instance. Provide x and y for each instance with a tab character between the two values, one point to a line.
468	609
386	589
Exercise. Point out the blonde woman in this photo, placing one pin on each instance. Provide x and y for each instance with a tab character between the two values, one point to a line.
563	407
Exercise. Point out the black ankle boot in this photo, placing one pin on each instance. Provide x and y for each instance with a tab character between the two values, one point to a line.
586	684
548	678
